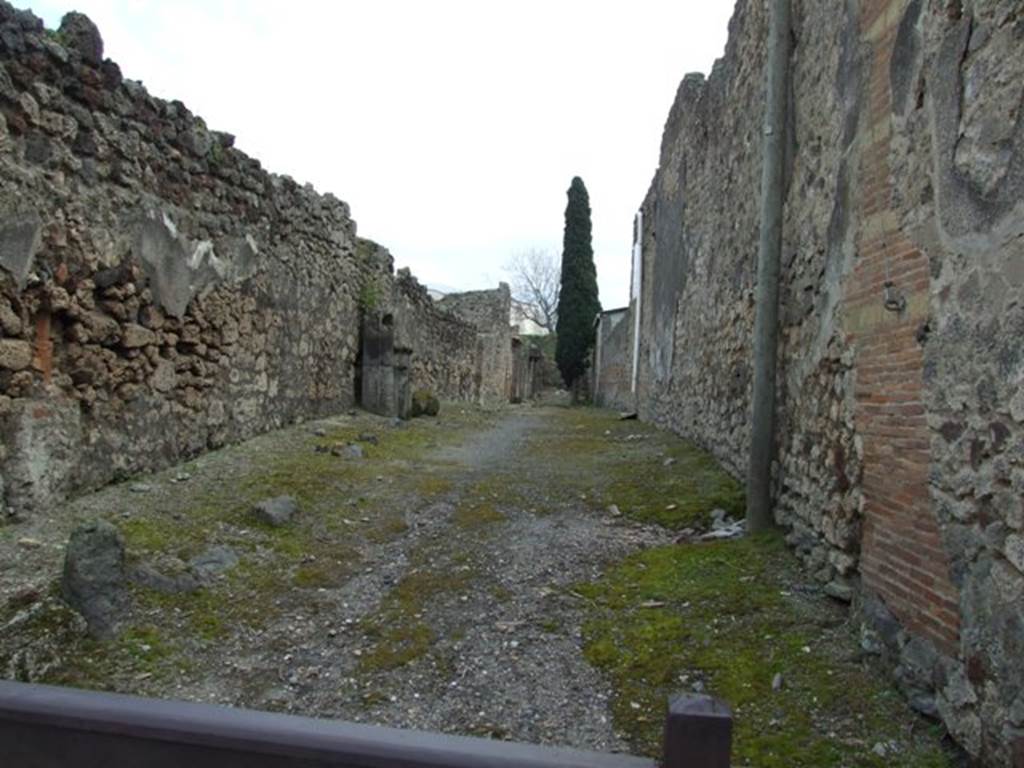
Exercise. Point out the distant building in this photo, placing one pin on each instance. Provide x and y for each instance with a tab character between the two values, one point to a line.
522	324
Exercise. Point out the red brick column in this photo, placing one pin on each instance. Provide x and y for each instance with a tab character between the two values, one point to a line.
903	559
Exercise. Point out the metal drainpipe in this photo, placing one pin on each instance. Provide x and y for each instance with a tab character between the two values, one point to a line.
762	442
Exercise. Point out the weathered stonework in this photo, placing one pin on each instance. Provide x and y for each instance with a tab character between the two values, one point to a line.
160	293
899	471
611	368
490	312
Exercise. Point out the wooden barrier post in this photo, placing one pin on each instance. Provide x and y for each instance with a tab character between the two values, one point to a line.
698	733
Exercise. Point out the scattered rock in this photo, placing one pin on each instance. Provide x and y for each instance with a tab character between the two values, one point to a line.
614	511
276	512
182	477
668	462
685	535
425	403
733	530
28	543
94	581
320	432
653	604
178	582
140	488
777	682
215	560
350	451
628	416
839	590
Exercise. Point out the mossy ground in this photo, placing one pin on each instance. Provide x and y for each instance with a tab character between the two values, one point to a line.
345	505
399	630
649	474
726	615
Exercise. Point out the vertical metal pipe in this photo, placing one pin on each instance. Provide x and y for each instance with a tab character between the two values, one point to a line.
762	442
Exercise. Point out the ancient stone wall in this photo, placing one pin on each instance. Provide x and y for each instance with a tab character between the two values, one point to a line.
160	293
612	364
899	471
490	313
446	348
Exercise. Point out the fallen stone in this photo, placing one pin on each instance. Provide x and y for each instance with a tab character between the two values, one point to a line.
178	582
628	416
368	438
839	590
668	462
141	488
777	682
731	531
685	535
216	560
27	543
94	582
614	511
348	451
320	432
276	512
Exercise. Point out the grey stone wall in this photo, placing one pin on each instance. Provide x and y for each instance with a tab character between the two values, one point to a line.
490	312
899	471
160	293
612	364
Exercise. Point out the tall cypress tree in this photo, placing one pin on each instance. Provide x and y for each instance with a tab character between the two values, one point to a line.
578	304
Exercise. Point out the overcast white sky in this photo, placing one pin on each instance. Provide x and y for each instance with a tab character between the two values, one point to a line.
451	127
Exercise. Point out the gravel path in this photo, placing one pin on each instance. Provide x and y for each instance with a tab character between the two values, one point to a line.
464	620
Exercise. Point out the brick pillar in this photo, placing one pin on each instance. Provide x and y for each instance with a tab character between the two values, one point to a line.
903	558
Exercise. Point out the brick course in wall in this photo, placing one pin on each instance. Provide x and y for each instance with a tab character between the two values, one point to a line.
902	558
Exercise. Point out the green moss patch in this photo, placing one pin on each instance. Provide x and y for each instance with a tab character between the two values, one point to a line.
722	616
676	495
398	631
650	474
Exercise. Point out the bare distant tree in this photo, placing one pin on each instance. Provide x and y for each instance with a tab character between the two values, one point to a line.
536	278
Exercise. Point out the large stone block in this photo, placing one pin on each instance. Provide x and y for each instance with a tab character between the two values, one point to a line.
95	581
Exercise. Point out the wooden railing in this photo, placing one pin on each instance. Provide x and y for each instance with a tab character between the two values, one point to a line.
48	727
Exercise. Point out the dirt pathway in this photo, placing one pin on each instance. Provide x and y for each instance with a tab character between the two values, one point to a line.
428	585
510	574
